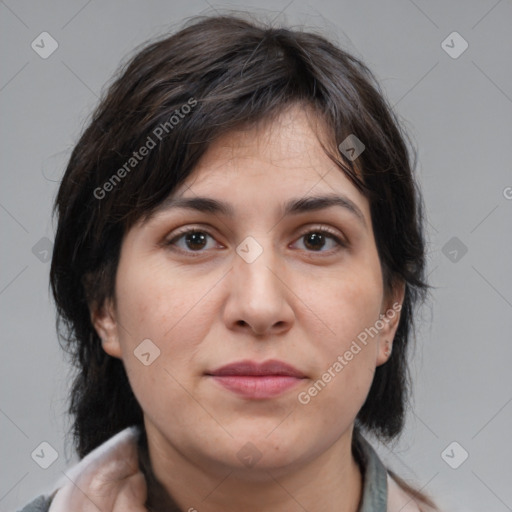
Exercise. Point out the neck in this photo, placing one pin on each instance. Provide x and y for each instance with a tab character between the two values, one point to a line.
331	482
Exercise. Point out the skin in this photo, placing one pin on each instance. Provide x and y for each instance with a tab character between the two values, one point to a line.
297	302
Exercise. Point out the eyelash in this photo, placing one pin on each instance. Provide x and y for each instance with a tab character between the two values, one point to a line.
320	229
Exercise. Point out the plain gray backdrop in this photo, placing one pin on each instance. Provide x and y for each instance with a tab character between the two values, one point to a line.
456	102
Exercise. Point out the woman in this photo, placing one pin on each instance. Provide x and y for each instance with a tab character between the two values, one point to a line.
238	257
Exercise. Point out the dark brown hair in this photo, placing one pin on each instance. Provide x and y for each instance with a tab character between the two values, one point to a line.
232	73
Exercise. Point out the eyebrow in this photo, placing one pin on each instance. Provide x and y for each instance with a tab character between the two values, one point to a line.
291	207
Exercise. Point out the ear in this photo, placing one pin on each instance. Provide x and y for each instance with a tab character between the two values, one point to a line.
104	320
390	318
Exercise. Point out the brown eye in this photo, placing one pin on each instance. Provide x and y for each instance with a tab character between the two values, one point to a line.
195	240
318	239
191	240
314	241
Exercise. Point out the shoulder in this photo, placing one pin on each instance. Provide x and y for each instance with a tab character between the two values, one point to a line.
39	504
112	461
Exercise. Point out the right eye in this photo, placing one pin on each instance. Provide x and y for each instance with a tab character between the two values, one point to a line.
191	240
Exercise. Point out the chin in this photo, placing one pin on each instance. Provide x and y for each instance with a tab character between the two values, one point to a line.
267	452
267	462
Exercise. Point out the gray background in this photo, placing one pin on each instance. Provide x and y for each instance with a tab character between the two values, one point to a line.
457	110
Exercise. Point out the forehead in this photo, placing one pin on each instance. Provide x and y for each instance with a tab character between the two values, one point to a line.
273	169
283	154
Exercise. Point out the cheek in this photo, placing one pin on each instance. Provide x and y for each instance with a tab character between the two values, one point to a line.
154	299
158	303
346	302
148	309
348	306
344	373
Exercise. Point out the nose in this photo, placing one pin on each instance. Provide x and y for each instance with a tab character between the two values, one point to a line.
259	297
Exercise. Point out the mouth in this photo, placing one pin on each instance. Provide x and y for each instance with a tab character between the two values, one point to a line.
257	380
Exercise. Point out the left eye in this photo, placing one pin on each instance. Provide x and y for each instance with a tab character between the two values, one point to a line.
316	240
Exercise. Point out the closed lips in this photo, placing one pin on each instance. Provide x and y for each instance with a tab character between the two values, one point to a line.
252	368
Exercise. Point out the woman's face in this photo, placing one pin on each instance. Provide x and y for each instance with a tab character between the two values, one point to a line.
258	281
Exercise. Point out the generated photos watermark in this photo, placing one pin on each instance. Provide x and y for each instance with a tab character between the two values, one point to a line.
304	397
157	135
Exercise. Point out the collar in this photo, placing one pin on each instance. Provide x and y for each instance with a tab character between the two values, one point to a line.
375	478
118	475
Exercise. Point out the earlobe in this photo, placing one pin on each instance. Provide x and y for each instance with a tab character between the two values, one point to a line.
112	347
104	322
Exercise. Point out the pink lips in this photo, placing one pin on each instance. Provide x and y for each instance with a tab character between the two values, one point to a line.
257	380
